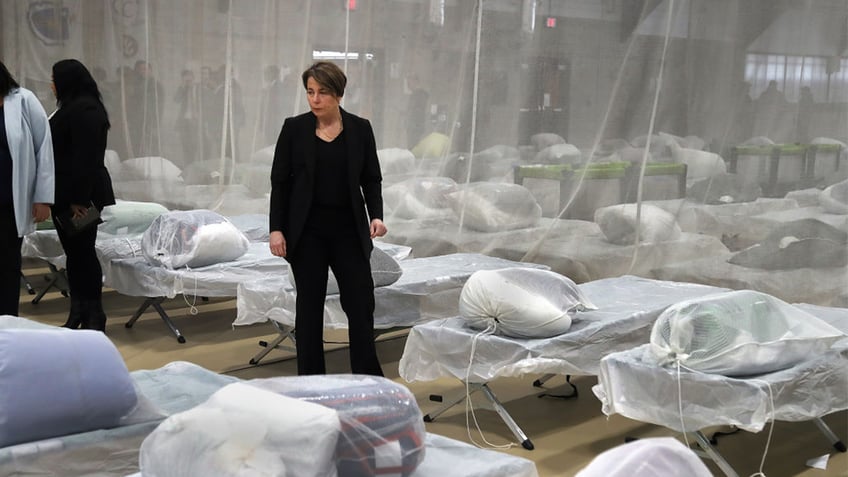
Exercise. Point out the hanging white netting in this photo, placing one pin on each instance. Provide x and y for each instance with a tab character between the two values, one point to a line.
729	115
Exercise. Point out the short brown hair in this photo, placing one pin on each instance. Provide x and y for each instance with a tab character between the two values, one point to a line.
328	75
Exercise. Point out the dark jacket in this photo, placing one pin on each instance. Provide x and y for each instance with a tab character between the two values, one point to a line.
79	131
293	177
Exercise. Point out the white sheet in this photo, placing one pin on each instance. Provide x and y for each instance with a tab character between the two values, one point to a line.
428	289
135	277
631	384
627	308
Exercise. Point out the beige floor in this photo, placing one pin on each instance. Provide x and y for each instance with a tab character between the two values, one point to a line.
567	433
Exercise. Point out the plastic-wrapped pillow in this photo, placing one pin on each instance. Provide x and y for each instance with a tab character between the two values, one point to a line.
495	207
242	430
420	197
129	217
433	145
395	160
559	154
542	140
194	238
739	333
56	382
618	224
834	198
651	457
140	168
385	270
382	430
521	302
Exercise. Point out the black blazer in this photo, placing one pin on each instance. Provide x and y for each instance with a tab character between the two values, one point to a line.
293	177
79	131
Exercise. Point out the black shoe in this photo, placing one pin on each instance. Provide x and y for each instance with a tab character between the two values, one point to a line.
93	316
75	315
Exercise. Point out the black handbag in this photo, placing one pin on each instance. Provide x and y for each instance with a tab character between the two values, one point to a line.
74	225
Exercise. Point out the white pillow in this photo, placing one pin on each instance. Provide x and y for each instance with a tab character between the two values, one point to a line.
420	197
129	217
56	382
244	431
521	302
739	333
395	160
194	238
618	224
139	168
495	207
650	457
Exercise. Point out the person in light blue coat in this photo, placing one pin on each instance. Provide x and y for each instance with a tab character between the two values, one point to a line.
26	180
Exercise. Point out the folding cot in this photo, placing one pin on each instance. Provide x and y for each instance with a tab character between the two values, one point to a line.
634	385
134	276
627	305
179	386
428	289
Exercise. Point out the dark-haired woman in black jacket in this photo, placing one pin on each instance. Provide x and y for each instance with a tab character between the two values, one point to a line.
79	128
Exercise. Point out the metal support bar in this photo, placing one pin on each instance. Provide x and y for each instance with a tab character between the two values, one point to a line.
714	455
55	278
831	436
496	405
285	332
156	303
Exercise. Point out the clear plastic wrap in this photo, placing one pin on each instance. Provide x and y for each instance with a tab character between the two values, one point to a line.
193	238
739	333
618	223
382	429
243	430
491	207
651	457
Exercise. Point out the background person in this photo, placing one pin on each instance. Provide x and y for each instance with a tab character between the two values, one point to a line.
79	128
26	172
326	206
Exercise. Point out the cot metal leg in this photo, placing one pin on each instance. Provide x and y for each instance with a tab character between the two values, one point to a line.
831	436
472	388
496	405
27	284
285	332
507	419
156	303
541	381
55	278
710	452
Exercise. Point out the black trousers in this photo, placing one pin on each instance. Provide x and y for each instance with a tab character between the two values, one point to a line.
10	262
85	277
329	241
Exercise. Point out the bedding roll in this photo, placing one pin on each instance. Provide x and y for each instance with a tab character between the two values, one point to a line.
521	302
56	382
194	238
382	427
739	333
242	430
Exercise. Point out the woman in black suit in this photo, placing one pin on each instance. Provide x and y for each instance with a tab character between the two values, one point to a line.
79	128
326	206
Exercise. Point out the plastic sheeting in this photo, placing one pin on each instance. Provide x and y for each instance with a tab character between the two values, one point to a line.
382	429
633	385
179	386
428	289
135	277
193	238
627	308
738	333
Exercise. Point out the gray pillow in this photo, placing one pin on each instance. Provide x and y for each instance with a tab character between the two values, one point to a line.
41	397
385	270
